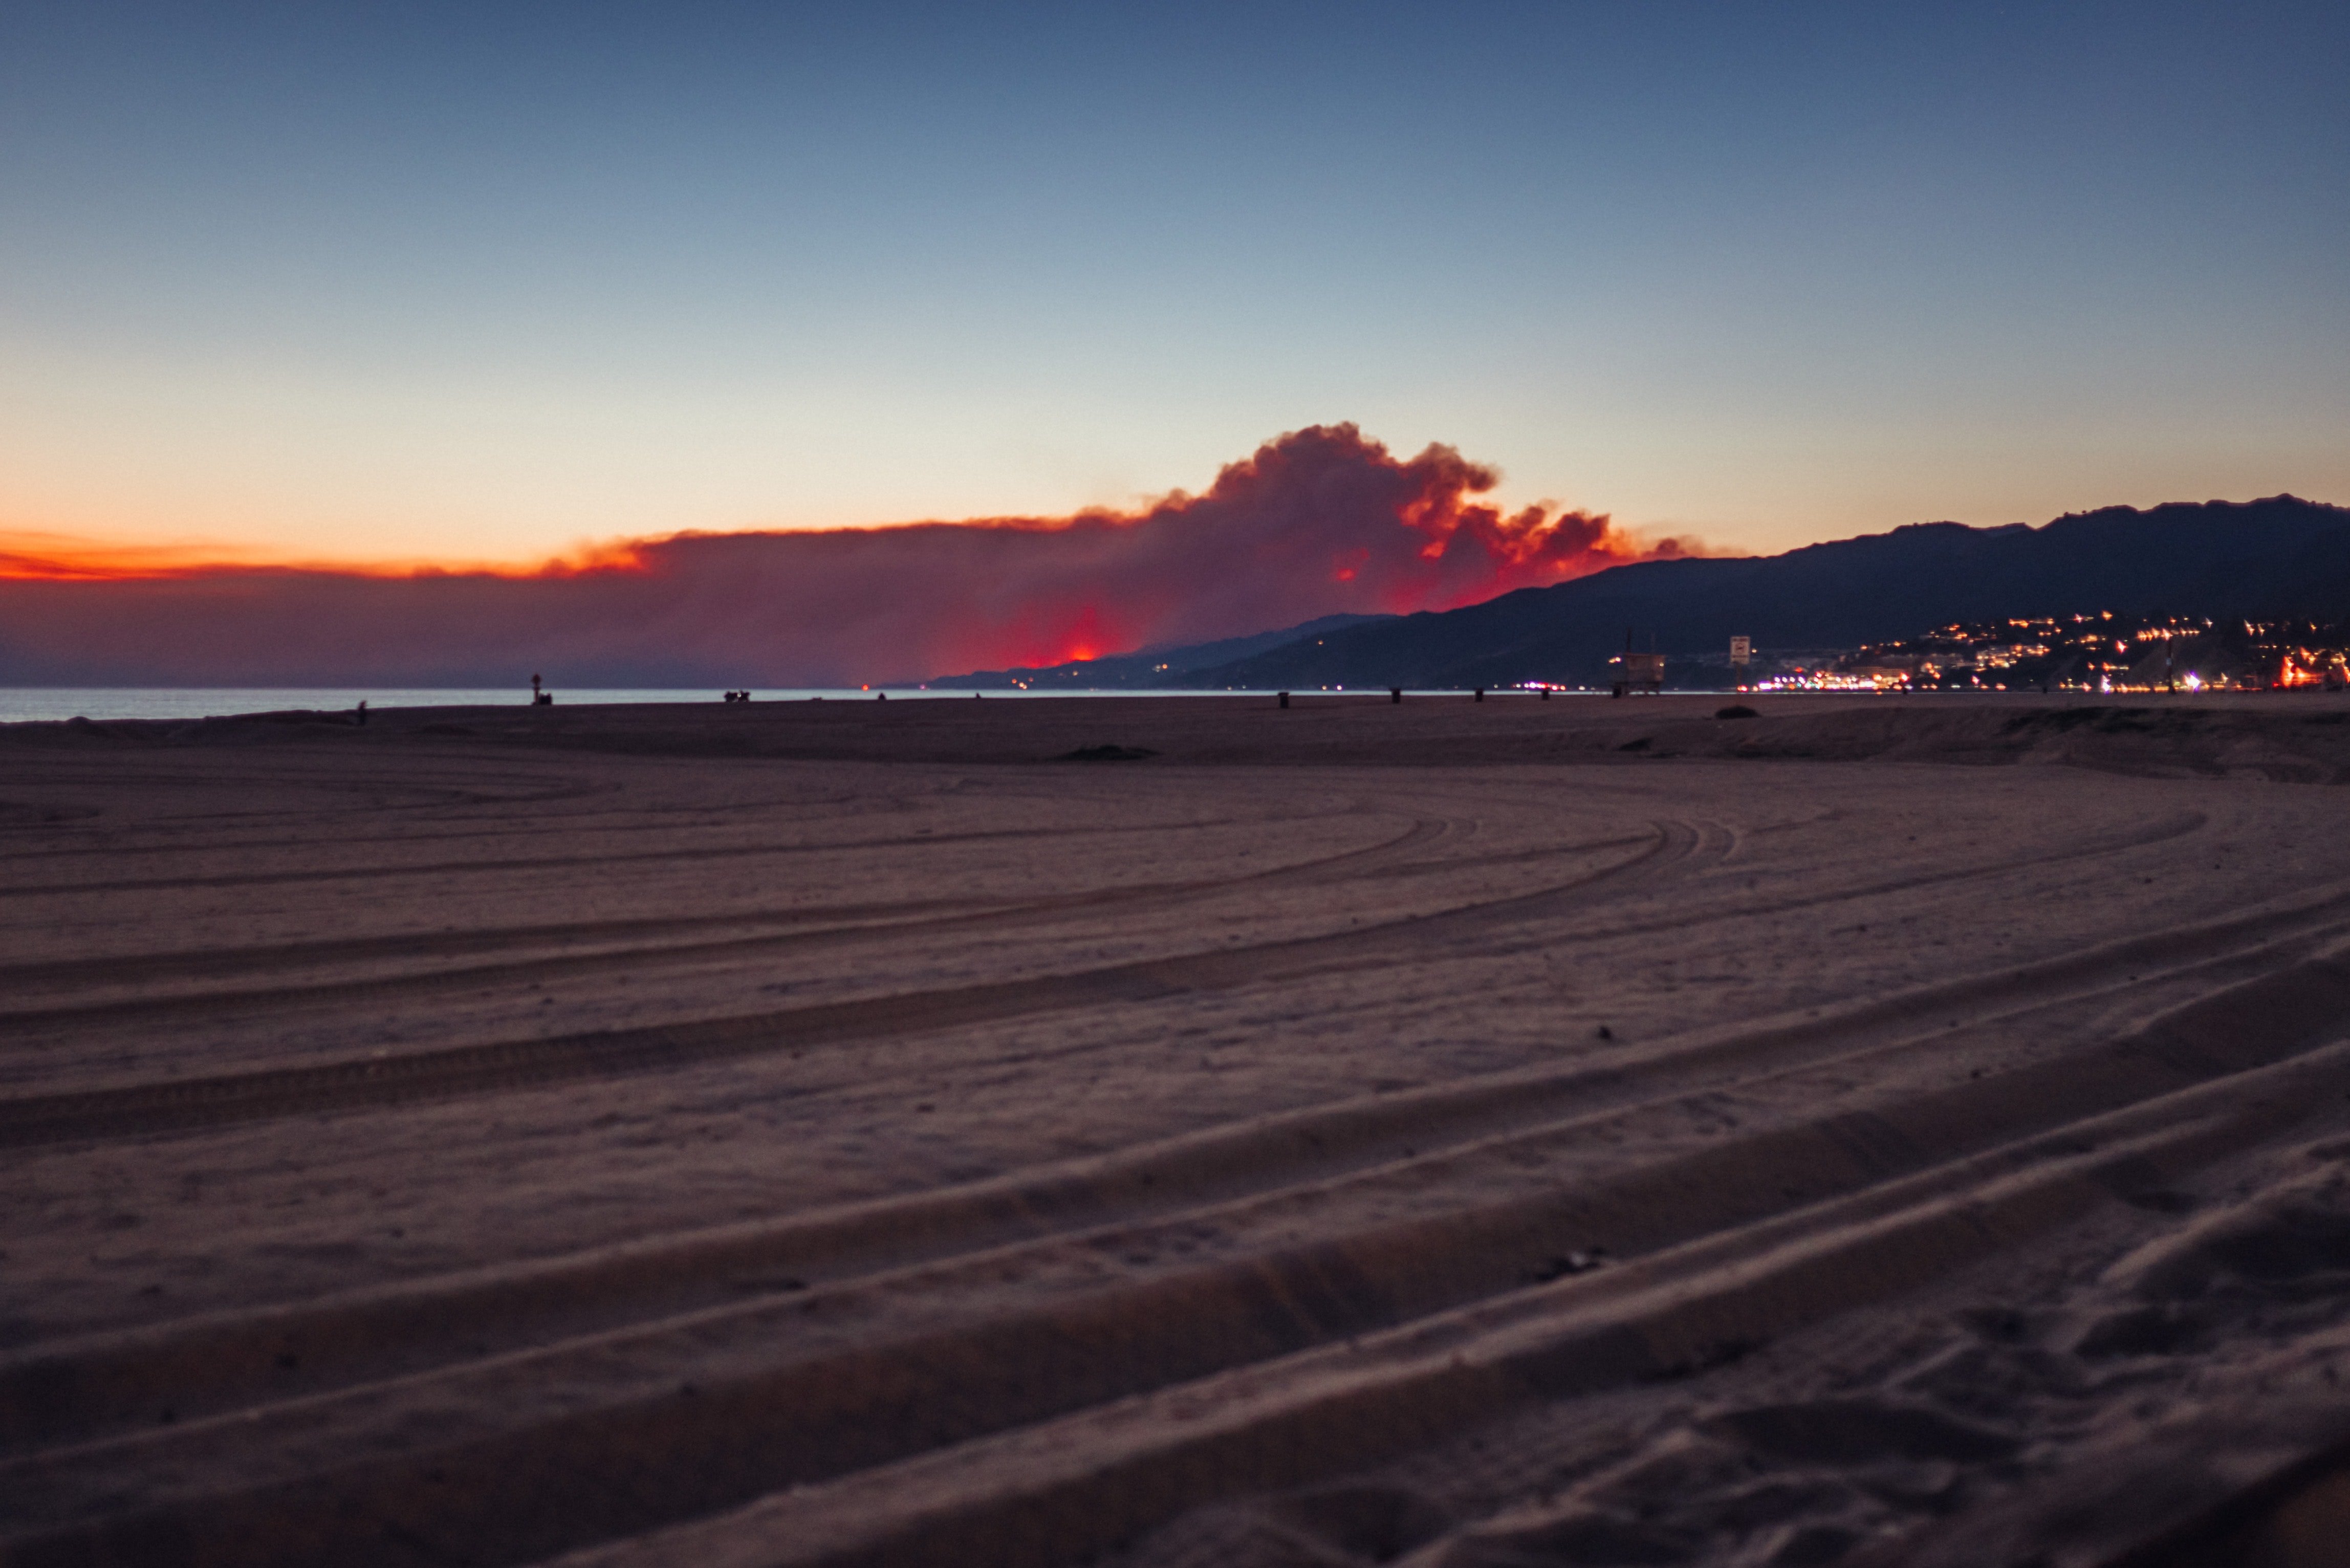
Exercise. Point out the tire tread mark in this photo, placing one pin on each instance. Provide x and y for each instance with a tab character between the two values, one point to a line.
193	1103
176	1363
1057	1492
1257	1312
557	863
966	914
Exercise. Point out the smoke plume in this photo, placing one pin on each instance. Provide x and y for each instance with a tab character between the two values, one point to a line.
1318	522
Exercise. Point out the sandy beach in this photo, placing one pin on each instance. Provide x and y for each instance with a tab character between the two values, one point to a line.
1179	1132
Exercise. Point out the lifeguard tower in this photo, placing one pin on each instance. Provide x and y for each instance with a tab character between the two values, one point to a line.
1641	672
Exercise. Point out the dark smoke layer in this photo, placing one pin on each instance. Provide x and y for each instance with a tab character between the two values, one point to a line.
1318	522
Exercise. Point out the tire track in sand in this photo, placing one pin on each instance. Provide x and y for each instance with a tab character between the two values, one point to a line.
1857	1203
363	1083
552	862
821	928
1062	1490
139	1110
194	1365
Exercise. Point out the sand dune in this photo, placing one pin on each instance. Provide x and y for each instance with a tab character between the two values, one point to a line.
1460	1133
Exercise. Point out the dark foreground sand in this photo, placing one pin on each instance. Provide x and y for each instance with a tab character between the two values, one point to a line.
1583	1132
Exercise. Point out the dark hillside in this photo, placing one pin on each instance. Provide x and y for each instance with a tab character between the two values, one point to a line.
1149	667
2274	558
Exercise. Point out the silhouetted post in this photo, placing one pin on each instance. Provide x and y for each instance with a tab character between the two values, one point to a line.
1284	698
1395	694
362	712
1546	693
1481	694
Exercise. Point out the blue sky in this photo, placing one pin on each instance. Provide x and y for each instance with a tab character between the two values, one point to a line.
465	282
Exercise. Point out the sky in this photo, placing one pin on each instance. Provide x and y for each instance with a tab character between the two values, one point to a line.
423	283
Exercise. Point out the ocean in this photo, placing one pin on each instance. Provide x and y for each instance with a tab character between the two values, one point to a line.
23	703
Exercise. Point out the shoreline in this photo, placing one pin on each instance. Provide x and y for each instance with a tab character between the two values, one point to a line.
2297	737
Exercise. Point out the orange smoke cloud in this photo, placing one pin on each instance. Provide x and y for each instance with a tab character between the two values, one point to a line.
1318	522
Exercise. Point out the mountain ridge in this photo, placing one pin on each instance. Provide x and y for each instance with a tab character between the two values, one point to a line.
2276	557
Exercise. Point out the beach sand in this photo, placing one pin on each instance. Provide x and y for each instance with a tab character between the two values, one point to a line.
1875	1131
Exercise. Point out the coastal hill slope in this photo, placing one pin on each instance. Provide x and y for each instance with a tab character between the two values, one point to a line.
1149	668
2281	557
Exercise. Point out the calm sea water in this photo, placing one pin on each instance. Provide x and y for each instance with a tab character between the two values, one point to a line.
18	704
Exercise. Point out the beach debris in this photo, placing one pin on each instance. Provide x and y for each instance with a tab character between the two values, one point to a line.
1285	697
1107	755
1580	1261
1736	711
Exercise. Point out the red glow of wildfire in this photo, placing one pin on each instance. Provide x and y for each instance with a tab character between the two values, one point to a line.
1317	522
